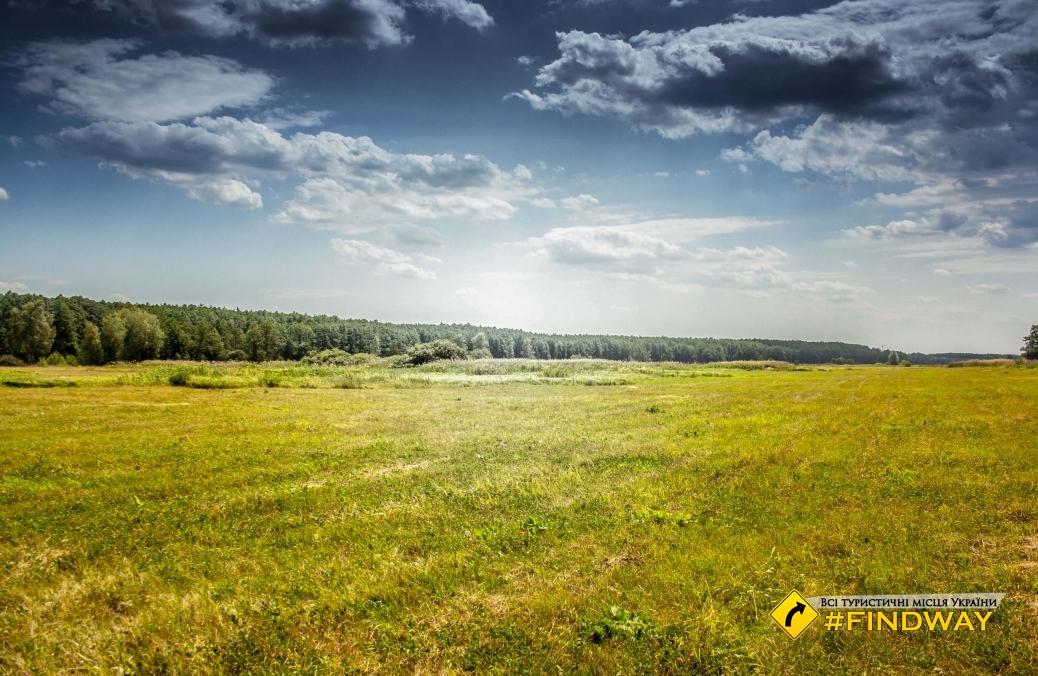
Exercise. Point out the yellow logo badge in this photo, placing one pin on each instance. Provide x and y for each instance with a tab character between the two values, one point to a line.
794	614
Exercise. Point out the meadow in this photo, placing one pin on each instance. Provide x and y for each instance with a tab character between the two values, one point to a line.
581	517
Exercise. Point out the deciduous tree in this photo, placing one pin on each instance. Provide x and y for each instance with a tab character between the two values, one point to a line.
90	350
30	333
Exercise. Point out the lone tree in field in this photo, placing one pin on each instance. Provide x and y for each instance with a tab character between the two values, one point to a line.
30	333
1030	348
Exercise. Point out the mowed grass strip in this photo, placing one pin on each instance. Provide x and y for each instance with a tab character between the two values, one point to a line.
514	526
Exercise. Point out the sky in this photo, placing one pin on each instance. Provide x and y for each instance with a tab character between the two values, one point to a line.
864	171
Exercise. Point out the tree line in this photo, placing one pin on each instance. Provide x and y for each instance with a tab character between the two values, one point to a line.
84	331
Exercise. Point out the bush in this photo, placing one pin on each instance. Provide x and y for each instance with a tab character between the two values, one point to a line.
10	360
424	353
237	355
178	379
335	357
905	362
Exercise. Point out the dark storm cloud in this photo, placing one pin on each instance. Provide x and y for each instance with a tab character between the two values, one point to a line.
373	24
844	75
864	59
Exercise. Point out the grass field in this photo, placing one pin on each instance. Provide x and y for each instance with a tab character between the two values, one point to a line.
520	517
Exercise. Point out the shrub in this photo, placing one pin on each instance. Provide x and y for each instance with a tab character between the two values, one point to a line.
332	357
424	353
178	379
237	355
10	360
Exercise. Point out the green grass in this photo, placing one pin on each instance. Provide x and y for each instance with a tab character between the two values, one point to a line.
500	517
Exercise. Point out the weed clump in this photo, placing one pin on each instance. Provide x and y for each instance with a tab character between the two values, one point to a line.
617	622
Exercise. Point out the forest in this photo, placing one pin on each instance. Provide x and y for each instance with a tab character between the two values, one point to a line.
77	330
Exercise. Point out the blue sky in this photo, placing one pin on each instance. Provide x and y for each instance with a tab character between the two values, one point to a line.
862	171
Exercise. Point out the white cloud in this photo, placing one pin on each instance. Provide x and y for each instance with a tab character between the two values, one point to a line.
604	245
662	174
469	292
3	194
469	13
929	299
90	80
35	164
833	291
940	272
15	141
16	287
225	191
993	289
689	229
579	202
386	261
863	150
702	172
544	203
118	298
292	117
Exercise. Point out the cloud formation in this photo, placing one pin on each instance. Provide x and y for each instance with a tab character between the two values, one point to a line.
349	182
938	94
97	80
371	23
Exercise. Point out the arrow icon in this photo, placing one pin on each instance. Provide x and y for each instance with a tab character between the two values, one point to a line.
798	608
787	610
